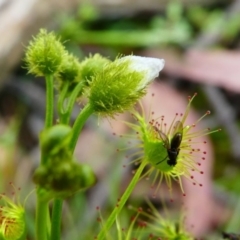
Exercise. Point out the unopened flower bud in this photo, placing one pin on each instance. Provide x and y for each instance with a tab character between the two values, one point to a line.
69	69
55	138
122	83
63	178
44	54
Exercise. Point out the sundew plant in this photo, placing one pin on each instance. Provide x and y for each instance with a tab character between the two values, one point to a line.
165	151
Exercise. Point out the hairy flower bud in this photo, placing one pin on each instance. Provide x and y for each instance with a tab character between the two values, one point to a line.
68	77
69	70
44	54
62	179
55	138
122	83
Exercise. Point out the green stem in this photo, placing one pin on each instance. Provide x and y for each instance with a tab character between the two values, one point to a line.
49	107
56	219
42	210
49	101
42	214
65	112
57	204
78	125
122	202
76	92
60	104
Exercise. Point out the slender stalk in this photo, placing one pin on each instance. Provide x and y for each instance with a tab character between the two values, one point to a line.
42	210
119	230
56	219
121	202
78	125
65	112
57	203
42	214
76	92
49	101
60	104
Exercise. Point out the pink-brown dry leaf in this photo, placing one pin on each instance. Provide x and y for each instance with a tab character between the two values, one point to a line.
215	67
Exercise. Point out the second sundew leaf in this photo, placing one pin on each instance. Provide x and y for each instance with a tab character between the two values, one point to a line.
171	152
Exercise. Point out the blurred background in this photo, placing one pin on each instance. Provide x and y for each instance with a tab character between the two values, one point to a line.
200	41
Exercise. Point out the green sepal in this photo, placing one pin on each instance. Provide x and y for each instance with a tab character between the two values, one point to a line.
63	179
54	139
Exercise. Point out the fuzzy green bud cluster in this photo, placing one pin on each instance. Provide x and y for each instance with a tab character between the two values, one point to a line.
59	174
111	86
73	71
122	83
44	54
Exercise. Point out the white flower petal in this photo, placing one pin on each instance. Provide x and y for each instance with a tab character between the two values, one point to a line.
151	67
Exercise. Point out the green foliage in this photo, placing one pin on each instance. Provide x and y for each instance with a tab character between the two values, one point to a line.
178	26
111	87
205	20
169	30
